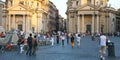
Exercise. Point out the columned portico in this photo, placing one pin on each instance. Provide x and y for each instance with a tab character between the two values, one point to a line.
92	17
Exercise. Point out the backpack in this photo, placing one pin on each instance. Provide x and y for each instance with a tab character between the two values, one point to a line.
29	40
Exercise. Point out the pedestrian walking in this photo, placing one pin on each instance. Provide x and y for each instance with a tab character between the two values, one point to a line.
63	39
29	42
67	38
57	39
52	40
72	40
20	44
34	44
93	37
78	40
102	41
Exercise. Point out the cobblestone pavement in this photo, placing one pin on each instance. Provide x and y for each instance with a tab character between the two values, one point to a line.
89	50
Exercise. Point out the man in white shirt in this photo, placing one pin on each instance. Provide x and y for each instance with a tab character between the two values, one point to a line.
102	41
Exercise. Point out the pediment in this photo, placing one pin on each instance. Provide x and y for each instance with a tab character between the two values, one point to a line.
18	7
86	7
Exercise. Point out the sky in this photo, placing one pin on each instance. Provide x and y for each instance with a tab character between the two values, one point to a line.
61	5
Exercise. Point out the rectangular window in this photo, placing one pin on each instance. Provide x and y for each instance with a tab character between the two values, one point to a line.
11	2
77	2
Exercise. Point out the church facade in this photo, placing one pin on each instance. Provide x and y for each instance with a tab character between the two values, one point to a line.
26	15
90	16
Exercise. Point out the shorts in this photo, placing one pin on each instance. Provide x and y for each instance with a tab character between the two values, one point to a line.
103	49
72	43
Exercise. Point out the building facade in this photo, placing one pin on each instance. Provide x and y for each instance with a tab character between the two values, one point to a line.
89	16
29	16
1	5
53	13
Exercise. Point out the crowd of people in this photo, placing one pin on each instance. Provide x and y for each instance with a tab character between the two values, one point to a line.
32	41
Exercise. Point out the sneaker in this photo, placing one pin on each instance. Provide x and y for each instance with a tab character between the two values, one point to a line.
103	58
100	57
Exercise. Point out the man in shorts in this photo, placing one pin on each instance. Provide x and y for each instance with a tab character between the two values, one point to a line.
102	41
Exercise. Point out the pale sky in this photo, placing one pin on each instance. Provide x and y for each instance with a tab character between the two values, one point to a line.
61	5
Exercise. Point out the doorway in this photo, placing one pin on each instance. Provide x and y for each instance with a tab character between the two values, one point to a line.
20	26
88	28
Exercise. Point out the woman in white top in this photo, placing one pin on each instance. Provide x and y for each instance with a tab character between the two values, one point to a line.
52	40
78	40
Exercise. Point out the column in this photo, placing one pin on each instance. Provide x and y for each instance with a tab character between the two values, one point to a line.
93	18
41	23
108	24
24	26
37	23
14	26
82	23
27	23
78	24
97	30
9	23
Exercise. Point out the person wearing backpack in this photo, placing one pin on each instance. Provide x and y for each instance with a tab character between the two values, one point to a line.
29	43
35	44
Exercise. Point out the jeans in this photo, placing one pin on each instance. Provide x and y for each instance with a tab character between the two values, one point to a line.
29	50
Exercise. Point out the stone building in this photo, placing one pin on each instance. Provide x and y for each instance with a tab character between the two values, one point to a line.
1	4
26	15
89	16
53	14
1	24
